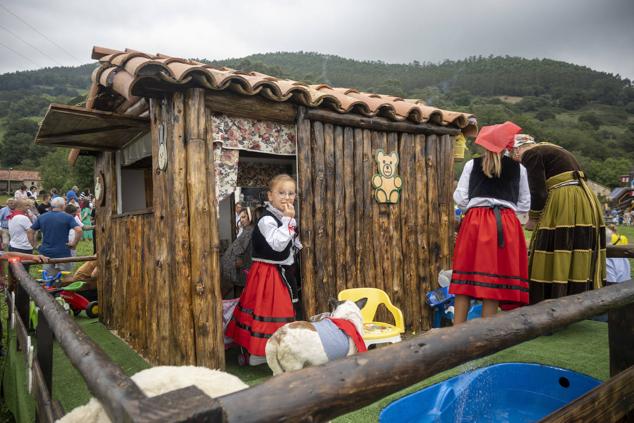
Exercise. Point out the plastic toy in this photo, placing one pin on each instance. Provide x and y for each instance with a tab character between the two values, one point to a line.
66	296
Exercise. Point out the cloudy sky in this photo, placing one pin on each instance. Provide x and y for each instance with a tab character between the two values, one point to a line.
595	33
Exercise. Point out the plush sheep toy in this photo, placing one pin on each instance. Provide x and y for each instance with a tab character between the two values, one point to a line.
159	380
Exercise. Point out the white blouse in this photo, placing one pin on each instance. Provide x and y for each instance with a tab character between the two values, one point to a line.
461	194
279	237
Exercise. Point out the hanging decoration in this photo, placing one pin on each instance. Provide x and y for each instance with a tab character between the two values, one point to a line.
387	184
100	189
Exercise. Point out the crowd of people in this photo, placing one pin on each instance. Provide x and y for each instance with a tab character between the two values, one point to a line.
58	221
626	217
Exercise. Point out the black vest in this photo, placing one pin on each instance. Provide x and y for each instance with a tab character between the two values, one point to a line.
262	250
506	187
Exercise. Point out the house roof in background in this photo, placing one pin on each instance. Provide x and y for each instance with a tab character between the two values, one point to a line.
133	75
20	175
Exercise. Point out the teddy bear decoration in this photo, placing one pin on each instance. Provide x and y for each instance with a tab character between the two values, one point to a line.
387	184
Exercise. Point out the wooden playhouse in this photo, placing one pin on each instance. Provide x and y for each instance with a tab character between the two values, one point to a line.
174	138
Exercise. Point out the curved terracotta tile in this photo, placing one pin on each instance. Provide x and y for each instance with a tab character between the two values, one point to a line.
122	83
135	65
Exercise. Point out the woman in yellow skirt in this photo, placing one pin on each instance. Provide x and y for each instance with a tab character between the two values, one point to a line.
567	250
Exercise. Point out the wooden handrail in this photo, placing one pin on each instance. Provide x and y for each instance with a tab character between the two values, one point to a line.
620	251
62	260
105	379
325	392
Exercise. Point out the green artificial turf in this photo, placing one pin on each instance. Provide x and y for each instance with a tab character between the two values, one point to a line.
68	385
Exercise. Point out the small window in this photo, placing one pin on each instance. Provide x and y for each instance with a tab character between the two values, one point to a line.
134	176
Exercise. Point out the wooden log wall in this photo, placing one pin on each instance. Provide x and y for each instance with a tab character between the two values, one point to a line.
159	279
352	241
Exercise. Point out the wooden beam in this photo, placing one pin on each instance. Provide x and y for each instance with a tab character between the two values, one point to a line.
188	404
63	260
254	107
377	123
620	251
621	338
608	402
324	392
204	241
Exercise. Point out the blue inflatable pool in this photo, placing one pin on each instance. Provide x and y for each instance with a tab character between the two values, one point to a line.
507	392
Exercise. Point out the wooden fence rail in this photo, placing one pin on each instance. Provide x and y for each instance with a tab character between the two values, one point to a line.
324	392
341	386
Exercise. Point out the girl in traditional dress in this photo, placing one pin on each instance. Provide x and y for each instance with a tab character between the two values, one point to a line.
267	302
567	251
490	259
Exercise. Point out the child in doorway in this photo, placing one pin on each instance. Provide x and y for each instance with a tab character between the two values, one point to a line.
490	259
268	300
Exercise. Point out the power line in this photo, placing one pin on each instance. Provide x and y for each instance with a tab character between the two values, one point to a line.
29	44
36	30
19	54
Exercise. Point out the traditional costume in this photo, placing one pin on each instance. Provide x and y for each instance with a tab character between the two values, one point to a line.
490	259
567	251
267	301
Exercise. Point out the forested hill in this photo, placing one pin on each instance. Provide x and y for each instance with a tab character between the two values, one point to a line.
490	76
591	113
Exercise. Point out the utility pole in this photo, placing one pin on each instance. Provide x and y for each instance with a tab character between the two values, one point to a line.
9	183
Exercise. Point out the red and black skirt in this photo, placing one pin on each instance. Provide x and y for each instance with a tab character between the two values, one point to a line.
490	258
265	305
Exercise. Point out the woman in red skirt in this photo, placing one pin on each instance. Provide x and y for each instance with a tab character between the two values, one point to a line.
268	299
490	259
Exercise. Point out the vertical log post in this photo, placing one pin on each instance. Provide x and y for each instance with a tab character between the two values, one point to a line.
433	210
395	255
44	337
349	207
339	216
161	205
621	338
203	225
306	209
319	175
370	265
422	232
329	211
409	228
359	192
22	304
382	233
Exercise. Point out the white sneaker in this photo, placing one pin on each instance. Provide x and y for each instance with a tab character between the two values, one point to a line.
256	360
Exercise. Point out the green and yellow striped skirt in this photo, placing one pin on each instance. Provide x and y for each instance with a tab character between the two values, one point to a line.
567	250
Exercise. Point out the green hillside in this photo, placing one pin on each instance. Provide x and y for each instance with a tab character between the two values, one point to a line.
591	113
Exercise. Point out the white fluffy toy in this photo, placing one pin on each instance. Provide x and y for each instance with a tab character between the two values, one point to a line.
159	380
301	344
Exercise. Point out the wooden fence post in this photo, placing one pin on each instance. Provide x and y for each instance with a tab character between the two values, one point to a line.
621	338
22	304
44	337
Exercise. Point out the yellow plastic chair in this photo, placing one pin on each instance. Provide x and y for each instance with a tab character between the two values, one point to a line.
376	332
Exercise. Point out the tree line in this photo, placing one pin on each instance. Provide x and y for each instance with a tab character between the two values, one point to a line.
588	112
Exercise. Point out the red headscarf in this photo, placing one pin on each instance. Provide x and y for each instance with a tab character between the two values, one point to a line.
496	138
